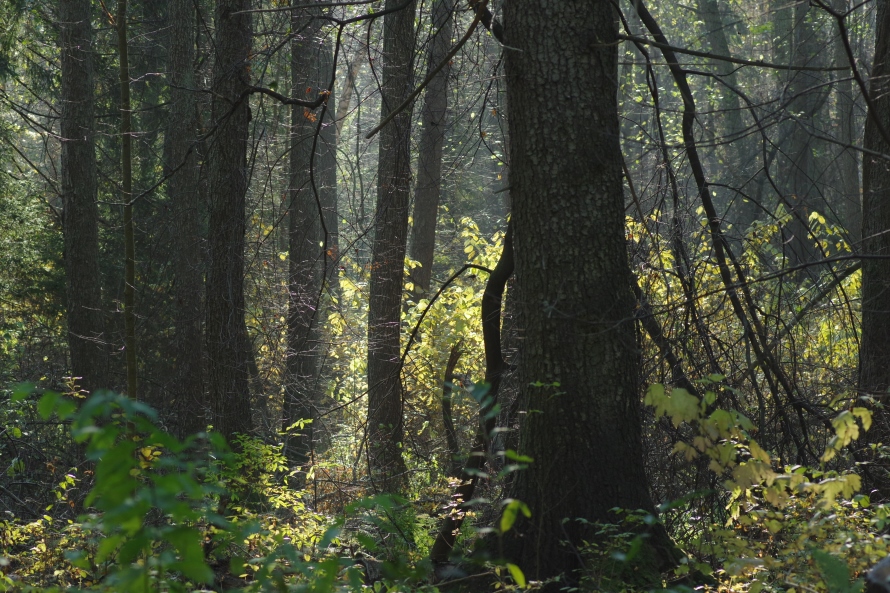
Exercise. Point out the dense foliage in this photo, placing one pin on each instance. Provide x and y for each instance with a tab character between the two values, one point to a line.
743	135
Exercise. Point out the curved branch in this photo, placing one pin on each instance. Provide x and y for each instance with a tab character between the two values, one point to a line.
494	369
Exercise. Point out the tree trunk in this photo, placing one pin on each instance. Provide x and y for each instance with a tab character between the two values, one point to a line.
81	209
349	88
796	173
311	73
429	159
126	130
874	355
228	347
580	362
388	259
850	208
188	405
738	154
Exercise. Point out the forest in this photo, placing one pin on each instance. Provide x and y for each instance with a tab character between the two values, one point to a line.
445	295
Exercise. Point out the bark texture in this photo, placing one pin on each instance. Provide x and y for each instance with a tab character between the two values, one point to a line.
312	197
86	339
188	405
228	347
388	258
874	355
428	186
580	361
126	128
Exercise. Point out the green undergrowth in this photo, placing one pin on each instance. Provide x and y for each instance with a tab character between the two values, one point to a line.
163	514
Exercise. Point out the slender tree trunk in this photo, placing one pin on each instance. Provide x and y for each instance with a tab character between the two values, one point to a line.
850	207
228	347
738	154
127	187
349	88
310	71
188	405
86	340
326	163
388	259
429	159
798	170
580	362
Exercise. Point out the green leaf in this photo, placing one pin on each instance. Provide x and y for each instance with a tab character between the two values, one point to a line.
835	573
517	575
187	540
21	391
514	456
47	404
511	512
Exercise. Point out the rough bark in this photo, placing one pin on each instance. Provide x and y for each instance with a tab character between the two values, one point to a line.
874	354
326	181
580	362
86	339
309	190
429	159
188	405
126	129
228	347
388	259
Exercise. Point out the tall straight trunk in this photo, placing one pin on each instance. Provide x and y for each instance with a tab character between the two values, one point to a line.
127	190
429	158
738	153
849	210
580	361
86	341
798	170
310	218
326	176
228	347
388	259
187	407
874	355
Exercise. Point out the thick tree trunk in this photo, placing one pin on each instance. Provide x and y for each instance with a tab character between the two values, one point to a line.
310	69
81	210
874	355
188	405
580	361
228	347
429	159
388	260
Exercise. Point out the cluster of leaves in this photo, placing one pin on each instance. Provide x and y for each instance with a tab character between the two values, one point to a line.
165	514
786	526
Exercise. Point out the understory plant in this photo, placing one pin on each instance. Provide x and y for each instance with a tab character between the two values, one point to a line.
787	527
